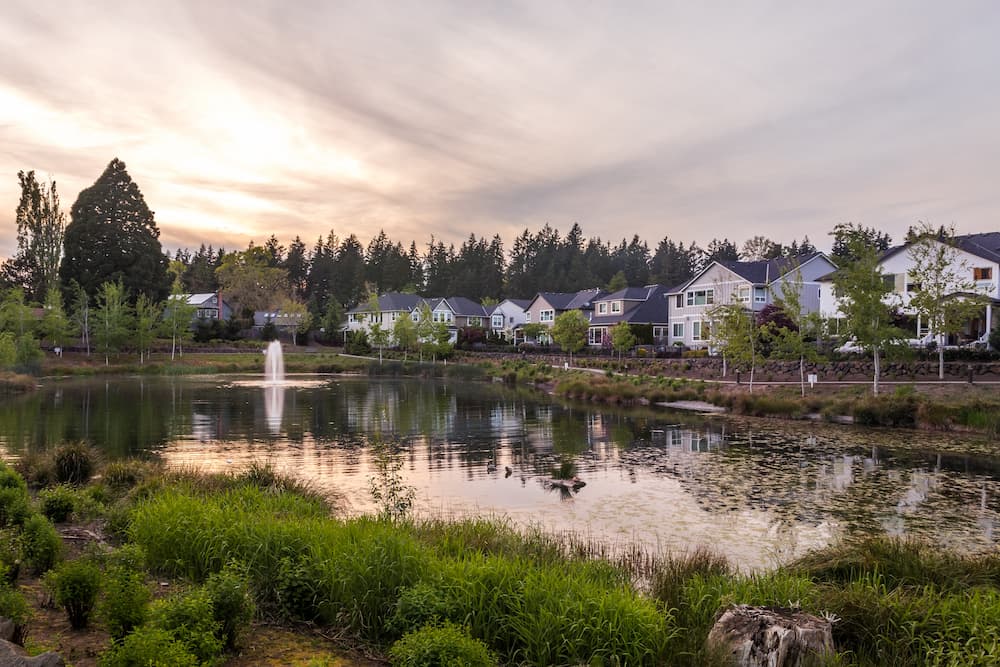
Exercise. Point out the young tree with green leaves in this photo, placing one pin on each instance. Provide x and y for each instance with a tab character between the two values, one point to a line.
569	331
377	334
792	342
293	317
946	296
176	322
112	318
425	327
404	332
534	331
80	315
55	326
622	338
733	331
147	315
862	291
15	314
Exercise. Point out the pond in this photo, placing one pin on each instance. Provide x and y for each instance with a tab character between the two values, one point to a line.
758	491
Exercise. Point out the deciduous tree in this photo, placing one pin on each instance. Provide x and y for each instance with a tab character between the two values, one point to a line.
569	331
622	338
40	229
112	317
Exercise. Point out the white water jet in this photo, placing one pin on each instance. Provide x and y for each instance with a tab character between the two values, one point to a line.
274	364
274	392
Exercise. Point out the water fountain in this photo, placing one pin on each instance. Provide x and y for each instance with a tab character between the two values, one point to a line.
274	390
274	364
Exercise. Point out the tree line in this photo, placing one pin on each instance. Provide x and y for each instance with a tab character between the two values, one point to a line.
109	253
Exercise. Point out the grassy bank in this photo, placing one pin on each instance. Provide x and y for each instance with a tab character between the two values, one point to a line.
255	546
15	383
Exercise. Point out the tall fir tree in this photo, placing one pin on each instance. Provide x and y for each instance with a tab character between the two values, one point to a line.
112	236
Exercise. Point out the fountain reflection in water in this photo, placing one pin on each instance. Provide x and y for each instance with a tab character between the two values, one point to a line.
274	390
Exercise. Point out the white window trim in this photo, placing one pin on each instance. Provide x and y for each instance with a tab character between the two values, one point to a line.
602	308
616	306
675	326
760	295
696	327
707	292
496	321
551	313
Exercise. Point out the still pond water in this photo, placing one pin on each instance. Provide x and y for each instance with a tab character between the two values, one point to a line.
759	491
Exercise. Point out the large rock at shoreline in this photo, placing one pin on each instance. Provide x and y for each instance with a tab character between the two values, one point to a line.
12	655
770	636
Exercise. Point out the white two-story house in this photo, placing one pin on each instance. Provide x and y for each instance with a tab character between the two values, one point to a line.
752	284
391	306
976	261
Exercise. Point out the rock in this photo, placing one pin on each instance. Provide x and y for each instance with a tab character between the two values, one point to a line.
11	631
770	636
12	655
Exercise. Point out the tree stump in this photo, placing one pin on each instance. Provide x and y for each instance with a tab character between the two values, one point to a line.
770	636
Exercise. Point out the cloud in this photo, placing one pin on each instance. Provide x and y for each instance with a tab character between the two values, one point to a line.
242	119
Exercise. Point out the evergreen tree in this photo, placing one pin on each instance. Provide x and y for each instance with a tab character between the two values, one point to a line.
113	237
849	238
198	275
40	227
672	264
720	251
296	267
349	287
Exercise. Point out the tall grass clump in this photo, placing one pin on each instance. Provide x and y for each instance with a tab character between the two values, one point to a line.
74	463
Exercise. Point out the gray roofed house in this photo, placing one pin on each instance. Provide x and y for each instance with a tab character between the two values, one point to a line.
635	305
392	306
208	306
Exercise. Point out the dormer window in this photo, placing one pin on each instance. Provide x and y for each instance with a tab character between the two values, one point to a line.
616	306
602	308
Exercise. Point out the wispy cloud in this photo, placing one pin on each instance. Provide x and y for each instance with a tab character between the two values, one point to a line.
242	119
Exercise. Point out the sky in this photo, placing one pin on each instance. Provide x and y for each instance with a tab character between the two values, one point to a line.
693	120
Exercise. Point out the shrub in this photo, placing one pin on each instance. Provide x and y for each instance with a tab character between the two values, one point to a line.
42	544
14	506
74	463
231	604
123	475
74	585
148	646
443	646
126	598
57	503
420	605
15	607
189	618
11	554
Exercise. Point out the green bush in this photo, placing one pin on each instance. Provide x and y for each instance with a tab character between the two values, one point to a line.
74	463
232	604
15	607
15	506
444	646
148	647
74	585
42	544
420	605
126	597
11	555
189	619
57	503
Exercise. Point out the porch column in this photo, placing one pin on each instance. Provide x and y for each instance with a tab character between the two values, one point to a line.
989	319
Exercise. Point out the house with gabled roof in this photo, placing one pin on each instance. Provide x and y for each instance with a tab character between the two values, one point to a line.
977	261
208	306
546	306
635	305
391	306
751	284
507	316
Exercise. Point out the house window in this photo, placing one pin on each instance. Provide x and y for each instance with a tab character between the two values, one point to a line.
527	318
595	335
659	332
889	281
546	315
678	330
913	287
475	321
759	294
497	321
442	316
602	308
701	297
696	331
679	301
982	273
616	306
743	294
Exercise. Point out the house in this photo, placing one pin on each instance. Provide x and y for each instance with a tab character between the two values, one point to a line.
507	316
976	260
391	306
467	313
753	284
635	305
208	306
546	306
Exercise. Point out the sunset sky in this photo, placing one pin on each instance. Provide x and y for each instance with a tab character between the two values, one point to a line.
688	119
